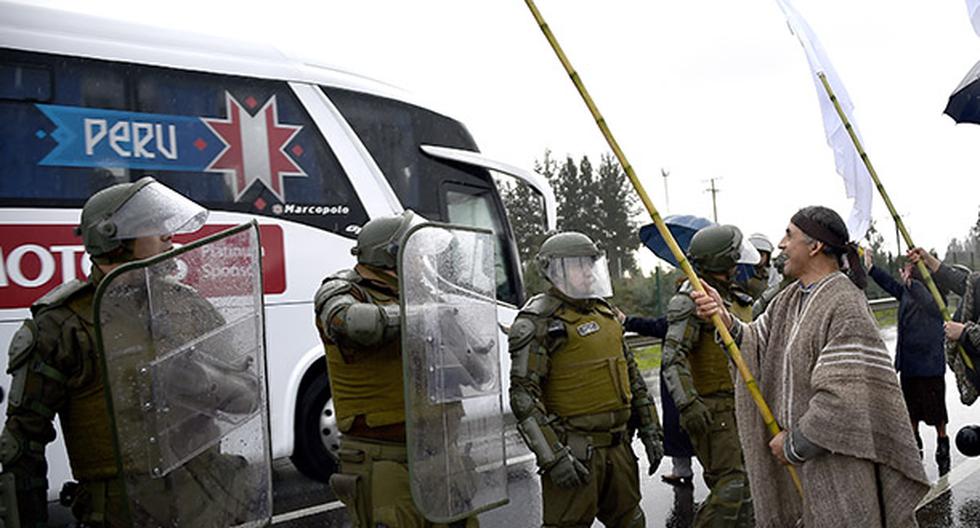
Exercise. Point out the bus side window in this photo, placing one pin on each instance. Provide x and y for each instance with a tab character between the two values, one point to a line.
284	168
35	172
473	206
25	82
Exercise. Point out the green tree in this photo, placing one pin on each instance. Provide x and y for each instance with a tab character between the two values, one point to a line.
596	201
573	185
967	250
525	212
875	243
616	217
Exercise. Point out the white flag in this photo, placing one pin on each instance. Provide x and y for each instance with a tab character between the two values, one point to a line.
857	181
973	9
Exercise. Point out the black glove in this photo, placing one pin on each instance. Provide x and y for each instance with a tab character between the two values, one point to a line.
695	418
654	447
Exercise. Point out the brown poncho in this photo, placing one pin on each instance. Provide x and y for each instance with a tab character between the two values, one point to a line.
823	368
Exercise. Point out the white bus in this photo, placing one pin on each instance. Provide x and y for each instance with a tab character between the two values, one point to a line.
310	152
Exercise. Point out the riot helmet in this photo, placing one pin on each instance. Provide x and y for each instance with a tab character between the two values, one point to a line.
754	279
128	211
379	239
761	243
575	266
718	248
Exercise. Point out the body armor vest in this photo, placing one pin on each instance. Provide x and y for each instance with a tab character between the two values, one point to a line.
588	374
708	359
85	420
372	384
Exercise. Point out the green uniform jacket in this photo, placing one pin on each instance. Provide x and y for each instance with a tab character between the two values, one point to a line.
364	381
571	370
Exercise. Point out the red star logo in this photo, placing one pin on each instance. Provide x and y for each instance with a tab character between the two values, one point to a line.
255	147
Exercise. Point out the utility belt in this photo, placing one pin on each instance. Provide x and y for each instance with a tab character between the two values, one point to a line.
582	434
392	433
360	450
583	443
598	439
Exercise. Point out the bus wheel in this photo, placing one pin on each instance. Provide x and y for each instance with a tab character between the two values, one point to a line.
316	445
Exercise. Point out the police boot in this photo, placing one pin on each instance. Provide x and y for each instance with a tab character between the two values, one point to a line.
942	454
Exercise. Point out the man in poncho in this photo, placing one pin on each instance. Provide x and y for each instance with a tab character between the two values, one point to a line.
823	368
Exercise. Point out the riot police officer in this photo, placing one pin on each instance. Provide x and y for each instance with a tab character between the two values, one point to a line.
359	318
758	281
57	369
696	373
577	393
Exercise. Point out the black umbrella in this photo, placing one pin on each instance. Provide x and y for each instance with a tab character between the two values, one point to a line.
964	103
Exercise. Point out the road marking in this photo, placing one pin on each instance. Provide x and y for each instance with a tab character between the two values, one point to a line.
959	473
306	512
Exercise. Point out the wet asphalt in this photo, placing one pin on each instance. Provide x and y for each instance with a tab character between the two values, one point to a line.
300	502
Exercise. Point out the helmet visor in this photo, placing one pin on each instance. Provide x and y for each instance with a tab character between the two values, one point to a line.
157	210
747	253
580	277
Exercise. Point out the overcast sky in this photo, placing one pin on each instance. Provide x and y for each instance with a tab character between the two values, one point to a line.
709	89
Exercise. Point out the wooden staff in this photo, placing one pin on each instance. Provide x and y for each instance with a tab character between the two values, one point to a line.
936	296
730	346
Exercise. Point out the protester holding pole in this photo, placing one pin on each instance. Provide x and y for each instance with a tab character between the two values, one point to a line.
964	330
821	361
685	266
853	163
919	356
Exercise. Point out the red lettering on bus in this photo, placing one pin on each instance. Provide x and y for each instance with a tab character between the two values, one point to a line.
35	258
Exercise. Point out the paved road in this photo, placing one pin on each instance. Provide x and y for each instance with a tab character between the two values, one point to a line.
300	502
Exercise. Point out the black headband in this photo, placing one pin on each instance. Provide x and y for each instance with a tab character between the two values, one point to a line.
818	231
842	246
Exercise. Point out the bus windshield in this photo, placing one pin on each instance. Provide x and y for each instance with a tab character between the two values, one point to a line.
393	132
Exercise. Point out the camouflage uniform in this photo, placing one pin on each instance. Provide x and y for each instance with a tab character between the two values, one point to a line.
696	372
358	317
578	397
58	370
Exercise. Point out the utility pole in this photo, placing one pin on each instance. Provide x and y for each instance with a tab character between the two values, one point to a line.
664	172
714	201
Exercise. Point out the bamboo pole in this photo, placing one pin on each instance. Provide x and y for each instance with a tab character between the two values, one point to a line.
730	346
936	296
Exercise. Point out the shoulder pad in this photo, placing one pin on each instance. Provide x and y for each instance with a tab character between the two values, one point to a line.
59	295
680	307
685	287
521	333
21	345
336	284
541	305
605	307
345	274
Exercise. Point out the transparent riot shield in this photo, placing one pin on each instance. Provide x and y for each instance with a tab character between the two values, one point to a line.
182	337
453	401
